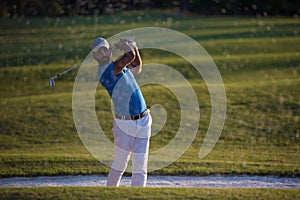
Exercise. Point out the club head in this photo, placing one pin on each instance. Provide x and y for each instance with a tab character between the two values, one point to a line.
52	83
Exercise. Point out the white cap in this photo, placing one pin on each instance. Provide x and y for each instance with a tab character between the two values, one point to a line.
99	42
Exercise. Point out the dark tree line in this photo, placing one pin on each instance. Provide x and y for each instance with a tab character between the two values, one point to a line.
10	8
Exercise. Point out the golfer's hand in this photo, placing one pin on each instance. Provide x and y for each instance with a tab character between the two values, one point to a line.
131	42
122	45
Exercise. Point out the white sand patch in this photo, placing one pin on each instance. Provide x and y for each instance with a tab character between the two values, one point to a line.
159	181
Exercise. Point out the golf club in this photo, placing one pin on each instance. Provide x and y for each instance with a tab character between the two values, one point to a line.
52	83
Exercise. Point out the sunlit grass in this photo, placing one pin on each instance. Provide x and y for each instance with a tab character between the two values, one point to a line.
27	41
257	58
145	193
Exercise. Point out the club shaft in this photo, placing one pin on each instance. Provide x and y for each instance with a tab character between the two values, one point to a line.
77	65
71	68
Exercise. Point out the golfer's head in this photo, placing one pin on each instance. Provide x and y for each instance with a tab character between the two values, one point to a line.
101	51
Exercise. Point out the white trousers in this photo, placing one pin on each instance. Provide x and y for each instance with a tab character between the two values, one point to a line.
130	137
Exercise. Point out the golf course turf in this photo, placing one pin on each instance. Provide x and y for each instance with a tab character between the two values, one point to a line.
258	59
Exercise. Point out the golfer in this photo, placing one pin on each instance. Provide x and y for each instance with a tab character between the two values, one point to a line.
132	120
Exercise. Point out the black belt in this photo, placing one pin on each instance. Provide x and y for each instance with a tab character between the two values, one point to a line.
134	117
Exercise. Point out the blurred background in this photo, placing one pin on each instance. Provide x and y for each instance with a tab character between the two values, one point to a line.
254	43
17	8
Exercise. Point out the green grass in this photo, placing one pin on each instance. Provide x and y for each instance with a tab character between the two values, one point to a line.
145	193
257	57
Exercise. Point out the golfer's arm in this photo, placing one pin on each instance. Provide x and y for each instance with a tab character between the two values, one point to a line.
136	66
124	61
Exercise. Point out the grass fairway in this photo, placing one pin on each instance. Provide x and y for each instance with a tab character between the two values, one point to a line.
257	57
145	193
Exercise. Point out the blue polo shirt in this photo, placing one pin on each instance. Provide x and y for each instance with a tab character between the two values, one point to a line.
123	90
